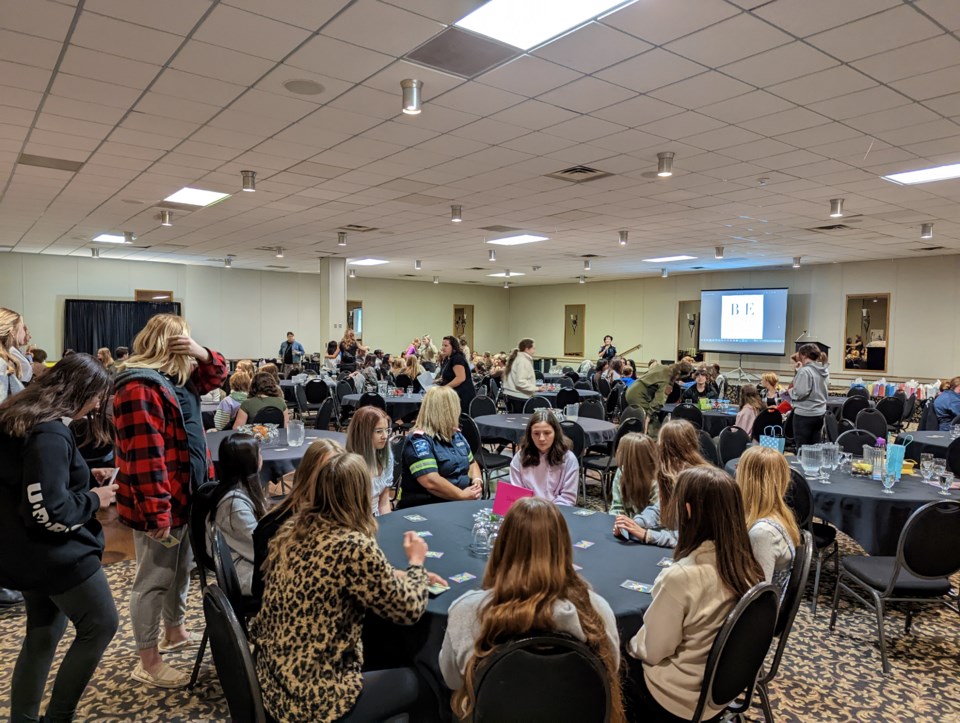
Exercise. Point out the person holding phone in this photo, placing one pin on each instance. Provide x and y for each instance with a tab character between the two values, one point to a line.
608	351
162	455
51	539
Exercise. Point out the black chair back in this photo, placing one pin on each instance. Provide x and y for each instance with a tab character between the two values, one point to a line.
928	418
853	441
534	403
578	439
858	391
908	406
603	386
769	417
582	385
613	400
529	679
572	376
628	412
708	448
403	381
627	426
690	412
790	602
953	456
853	406
471	432
201	504
396	447
316	391
929	545
739	650
344	388
799	498
567	396
300	398
538	375
591	409
372	399
324	412
232	658
269	415
290	394
871	420
844	425
565	382
892	409
732	443
482	407
226	572
831	427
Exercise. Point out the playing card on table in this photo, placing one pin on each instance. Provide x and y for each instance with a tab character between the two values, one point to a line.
577	567
638	586
585	513
462	577
434	553
583	544
415	518
424	533
435	588
665	562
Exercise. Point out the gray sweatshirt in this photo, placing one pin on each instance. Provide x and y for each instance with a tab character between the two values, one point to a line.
463	629
809	393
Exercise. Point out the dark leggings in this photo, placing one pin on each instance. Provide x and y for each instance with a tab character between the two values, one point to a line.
515	404
89	606
807	430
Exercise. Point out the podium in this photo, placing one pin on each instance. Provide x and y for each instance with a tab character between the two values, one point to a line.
819	344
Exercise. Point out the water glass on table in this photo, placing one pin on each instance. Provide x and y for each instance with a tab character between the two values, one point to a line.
946	482
830	461
295	433
926	466
939	467
889	480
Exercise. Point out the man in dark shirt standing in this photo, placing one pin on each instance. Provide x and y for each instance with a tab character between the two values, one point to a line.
291	352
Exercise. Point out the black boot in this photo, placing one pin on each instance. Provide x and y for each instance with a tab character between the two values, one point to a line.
9	598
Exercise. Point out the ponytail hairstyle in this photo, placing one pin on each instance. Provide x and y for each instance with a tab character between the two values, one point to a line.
522	345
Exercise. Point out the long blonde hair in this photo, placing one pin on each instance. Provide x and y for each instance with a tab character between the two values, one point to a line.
360	437
638	459
530	569
10	322
763	476
439	413
341	499
151	348
679	450
412	367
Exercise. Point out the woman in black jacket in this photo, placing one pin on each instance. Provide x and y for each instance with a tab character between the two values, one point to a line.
53	543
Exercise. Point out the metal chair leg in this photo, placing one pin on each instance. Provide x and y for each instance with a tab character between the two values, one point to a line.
836	602
816	584
765	702
196	664
878	603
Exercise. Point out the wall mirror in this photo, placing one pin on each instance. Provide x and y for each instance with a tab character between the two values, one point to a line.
867	332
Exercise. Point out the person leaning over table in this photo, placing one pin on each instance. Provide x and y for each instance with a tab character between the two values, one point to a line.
946	404
519	379
437	462
649	392
455	372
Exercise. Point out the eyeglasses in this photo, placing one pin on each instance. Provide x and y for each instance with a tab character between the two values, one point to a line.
381	432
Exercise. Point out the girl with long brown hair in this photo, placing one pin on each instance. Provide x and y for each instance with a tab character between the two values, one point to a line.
713	567
265	392
544	463
750	406
636	489
763	476
369	436
529	585
324	573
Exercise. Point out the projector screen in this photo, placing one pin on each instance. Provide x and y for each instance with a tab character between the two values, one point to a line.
743	321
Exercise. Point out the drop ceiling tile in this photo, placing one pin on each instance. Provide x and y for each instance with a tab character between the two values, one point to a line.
637	111
229	27
945	12
586	95
784	122
704	89
434	82
869	36
923	132
729	40
722	138
752	105
592	47
16	75
780	64
539	143
125	39
478	99
818	135
56	151
333	120
653	69
213	61
630	141
682	125
948	105
584	129
307	14
172	107
903	117
528	75
487	130
930	85
864	101
58	124
916	59
533	115
813	16
196	88
108	68
28	50
20	98
93	91
822	86
44	20
157	124
659	23
16	116
381	27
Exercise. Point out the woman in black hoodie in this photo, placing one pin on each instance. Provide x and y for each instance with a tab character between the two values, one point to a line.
53	543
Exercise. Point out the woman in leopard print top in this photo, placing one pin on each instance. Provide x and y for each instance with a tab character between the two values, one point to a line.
324	571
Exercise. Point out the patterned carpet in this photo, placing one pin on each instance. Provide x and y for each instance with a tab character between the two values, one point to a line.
824	677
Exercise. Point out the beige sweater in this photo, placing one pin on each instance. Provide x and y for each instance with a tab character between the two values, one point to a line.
689	606
521	381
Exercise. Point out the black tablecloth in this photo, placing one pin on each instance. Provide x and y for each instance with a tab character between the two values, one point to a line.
278	451
858	506
714	421
605	565
553	378
512	426
934	442
396	406
585	394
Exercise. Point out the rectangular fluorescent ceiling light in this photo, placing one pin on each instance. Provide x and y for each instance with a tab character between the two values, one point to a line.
196	197
527	23
666	259
505	275
109	238
523	238
926	175
367	262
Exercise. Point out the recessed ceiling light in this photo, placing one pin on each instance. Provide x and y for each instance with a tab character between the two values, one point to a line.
523	238
527	23
507	274
303	87
667	259
367	262
925	175
196	197
110	238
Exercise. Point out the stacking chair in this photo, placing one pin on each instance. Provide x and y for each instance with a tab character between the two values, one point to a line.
591	409
344	388
488	461
892	410
769	417
853	406
582	384
269	415
628	412
324	413
534	403
529	679
831	428
227	578
232	658
928	418
396	448
565	382
928	553
800	499
603	386
614	400
200	507
852	441
738	652
482	407
708	448
567	396
873	421
953	455
788	435
732	443
316	390
578	439
690	412
909	404
372	399
858	391
789	605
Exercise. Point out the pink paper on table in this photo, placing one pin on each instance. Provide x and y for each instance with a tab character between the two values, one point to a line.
506	495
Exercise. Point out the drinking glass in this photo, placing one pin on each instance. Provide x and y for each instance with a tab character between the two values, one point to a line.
831	458
939	467
946	481
954	431
481	537
382	389
810	459
295	433
889	480
571	411
926	466
846	461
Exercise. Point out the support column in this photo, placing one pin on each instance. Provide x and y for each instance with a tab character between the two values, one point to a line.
333	298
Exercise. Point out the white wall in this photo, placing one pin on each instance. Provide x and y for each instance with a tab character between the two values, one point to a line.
924	326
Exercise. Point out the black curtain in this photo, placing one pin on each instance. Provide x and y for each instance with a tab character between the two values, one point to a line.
89	325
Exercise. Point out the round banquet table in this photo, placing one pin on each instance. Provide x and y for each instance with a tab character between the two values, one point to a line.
584	394
279	451
512	426
605	566
292	383
553	378
396	406
934	442
714	420
858	506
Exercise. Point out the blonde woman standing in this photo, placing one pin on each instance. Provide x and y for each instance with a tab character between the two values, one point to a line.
12	334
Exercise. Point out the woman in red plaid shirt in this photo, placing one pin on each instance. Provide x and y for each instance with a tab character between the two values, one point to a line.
162	455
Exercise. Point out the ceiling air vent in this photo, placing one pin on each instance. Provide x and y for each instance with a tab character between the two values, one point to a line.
357	228
57	164
499	229
578	174
461	53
